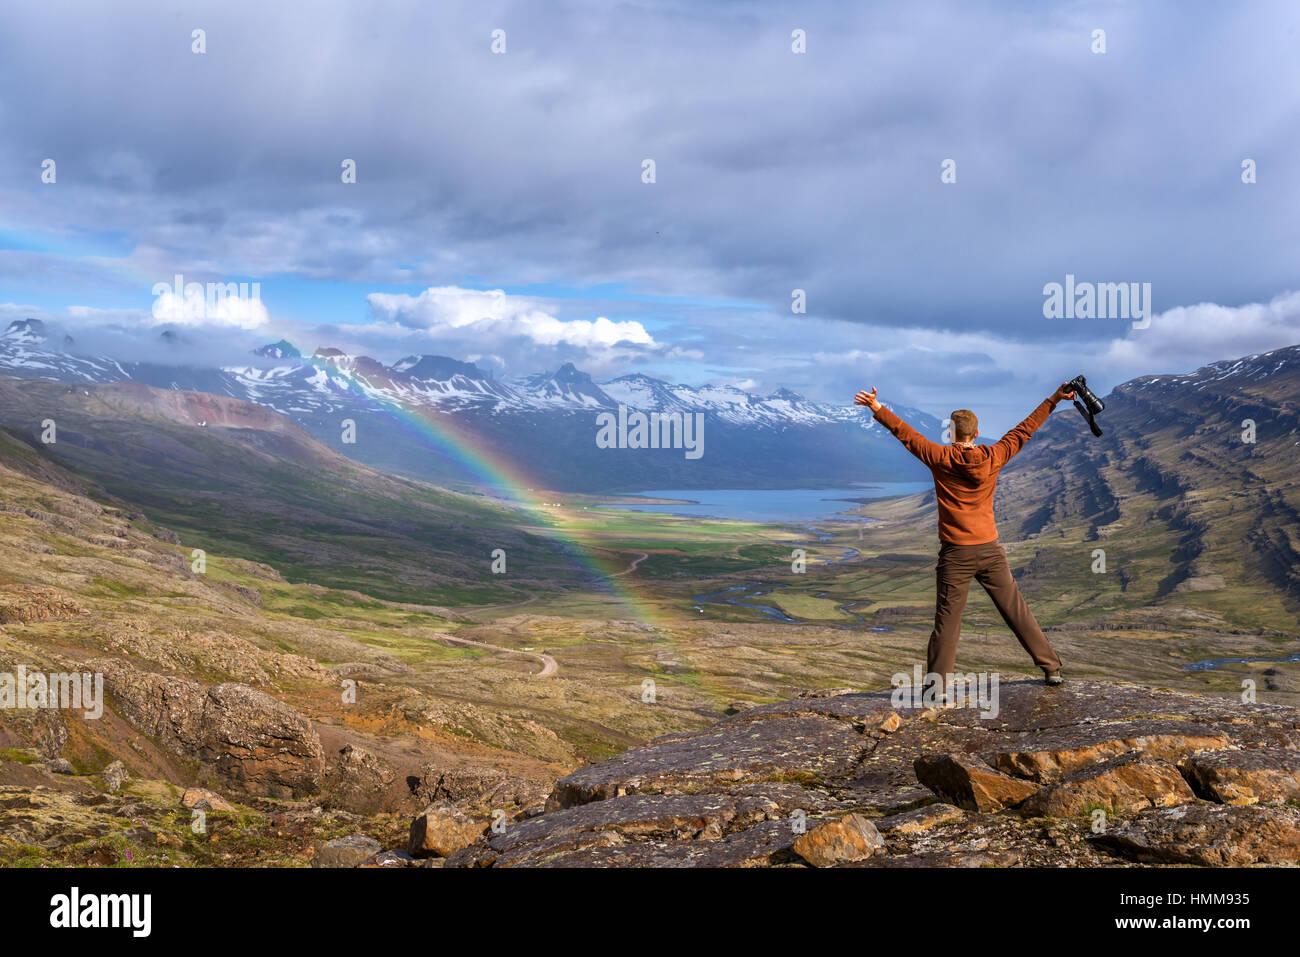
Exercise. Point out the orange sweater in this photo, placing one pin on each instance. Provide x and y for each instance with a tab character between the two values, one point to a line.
964	479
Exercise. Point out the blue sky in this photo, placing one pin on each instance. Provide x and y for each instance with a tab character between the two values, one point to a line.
521	172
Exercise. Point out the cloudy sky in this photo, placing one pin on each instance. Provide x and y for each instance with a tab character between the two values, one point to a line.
500	212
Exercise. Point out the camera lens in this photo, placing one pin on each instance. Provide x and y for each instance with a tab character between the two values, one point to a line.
1086	395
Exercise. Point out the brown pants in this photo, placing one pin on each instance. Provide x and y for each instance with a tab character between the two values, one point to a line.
987	564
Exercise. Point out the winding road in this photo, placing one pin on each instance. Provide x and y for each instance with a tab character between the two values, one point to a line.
549	667
631	568
532	597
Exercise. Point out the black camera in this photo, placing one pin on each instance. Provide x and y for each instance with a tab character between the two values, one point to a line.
1090	405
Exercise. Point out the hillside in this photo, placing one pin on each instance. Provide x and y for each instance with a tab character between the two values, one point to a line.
281	697
235	477
1189	514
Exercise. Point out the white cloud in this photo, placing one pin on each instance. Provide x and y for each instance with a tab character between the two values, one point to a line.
493	315
1190	336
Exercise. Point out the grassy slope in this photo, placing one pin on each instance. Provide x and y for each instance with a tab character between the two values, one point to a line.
281	498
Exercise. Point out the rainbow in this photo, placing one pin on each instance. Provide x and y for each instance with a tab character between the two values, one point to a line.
505	479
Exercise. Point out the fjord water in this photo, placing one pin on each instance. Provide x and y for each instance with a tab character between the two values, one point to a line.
772	505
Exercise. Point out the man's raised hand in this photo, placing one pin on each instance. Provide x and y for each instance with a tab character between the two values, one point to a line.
867	399
1062	393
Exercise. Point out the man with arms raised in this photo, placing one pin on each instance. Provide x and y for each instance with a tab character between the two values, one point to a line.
965	476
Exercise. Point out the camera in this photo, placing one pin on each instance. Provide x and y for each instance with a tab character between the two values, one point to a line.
1086	401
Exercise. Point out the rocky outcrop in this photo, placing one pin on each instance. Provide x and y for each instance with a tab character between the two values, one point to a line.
168	708
795	747
1050	755
478	788
1130	782
249	741
1209	835
1245	777
257	744
866	780
28	604
358	779
648	829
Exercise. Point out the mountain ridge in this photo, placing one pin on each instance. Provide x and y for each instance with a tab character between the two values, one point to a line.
420	413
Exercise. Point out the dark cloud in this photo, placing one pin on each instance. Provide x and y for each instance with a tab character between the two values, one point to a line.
775	171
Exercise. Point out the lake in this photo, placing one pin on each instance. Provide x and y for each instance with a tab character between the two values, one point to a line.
773	505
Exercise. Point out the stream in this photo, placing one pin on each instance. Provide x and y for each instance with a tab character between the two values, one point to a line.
1209	664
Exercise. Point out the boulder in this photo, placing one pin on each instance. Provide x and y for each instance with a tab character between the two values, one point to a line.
850	838
919	820
347	851
167	708
115	775
359	780
390	859
966	781
205	800
441	832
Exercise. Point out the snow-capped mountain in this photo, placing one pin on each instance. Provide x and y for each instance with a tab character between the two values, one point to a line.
418	415
566	388
783	408
284	349
26	351
25	332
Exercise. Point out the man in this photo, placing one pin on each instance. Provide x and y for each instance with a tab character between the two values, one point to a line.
965	475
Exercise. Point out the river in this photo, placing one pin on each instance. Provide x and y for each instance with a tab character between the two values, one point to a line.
778	506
